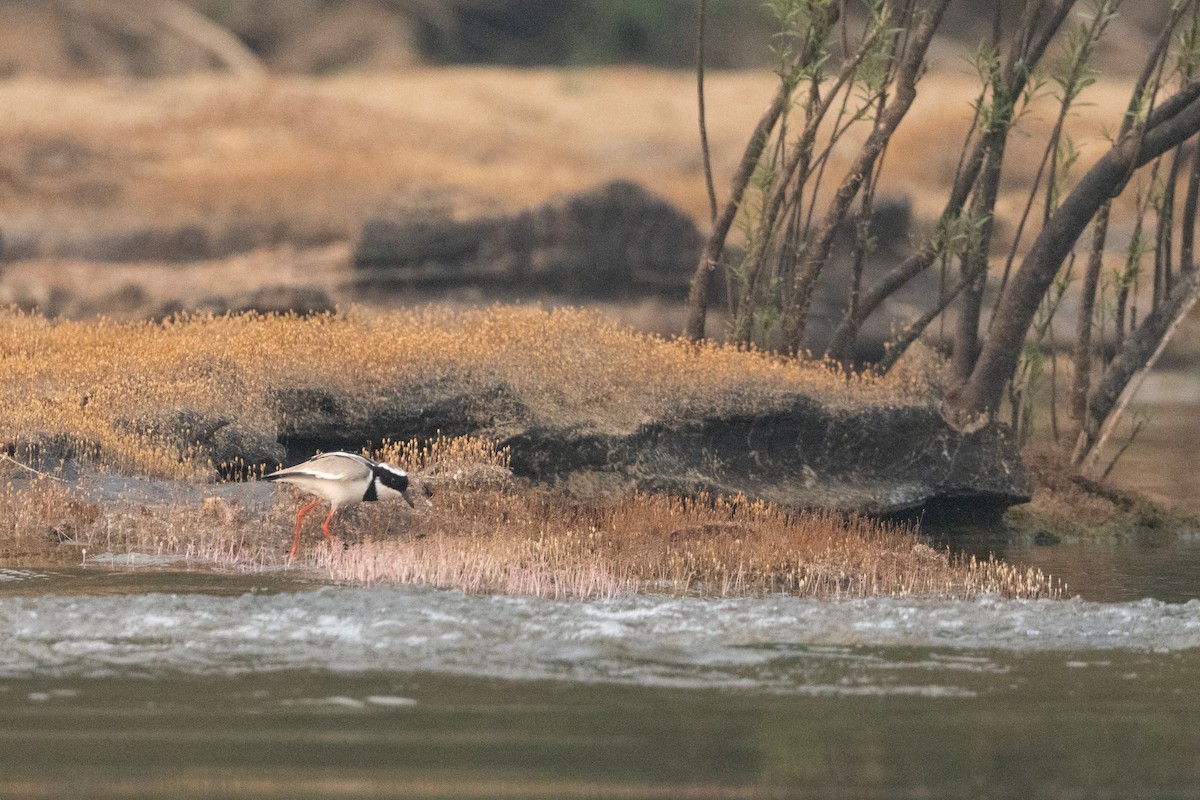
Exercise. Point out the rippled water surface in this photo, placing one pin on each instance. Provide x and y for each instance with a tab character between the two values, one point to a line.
177	684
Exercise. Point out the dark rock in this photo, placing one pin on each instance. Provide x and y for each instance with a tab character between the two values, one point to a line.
237	449
232	447
18	245
188	242
804	452
1046	539
873	459
45	452
316	419
185	243
615	241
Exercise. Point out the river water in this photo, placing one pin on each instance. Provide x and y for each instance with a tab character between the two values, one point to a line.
165	683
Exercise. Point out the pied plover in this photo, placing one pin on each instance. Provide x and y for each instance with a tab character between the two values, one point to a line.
342	479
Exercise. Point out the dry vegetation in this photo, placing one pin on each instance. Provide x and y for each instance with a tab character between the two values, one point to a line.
109	392
1066	505
86	158
321	154
82	157
89	157
480	532
538	545
105	394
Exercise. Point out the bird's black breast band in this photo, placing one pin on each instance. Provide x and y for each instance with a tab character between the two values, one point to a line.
370	494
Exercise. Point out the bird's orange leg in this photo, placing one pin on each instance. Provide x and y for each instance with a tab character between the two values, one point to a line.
299	519
325	527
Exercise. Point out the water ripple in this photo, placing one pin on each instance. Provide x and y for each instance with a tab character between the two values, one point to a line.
874	646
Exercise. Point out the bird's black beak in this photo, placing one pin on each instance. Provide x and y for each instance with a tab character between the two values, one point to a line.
407	498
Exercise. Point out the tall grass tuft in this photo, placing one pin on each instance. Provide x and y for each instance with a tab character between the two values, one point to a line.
539	544
477	530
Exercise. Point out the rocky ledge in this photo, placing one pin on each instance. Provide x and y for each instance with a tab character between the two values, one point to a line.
882	460
878	460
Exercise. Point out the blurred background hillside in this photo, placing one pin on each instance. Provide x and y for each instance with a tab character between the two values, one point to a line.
168	155
155	38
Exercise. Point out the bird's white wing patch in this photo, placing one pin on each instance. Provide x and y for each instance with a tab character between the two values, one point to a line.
309	473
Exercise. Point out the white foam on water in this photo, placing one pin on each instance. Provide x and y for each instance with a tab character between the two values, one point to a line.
781	644
391	701
21	575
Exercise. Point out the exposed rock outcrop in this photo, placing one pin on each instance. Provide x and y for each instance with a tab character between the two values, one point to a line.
614	241
872	459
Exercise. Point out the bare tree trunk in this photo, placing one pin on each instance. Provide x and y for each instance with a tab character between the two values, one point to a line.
966	324
792	177
862	243
1082	354
975	261
704	150
847	331
1132	265
1187	237
1164	251
715	244
1176	120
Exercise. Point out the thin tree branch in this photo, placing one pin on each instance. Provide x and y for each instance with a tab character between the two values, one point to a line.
800	155
704	149
715	244
913	331
221	44
819	244
965	177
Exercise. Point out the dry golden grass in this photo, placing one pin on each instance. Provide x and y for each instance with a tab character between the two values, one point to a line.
54	522
106	393
534	544
90	156
481	532
85	157
111	393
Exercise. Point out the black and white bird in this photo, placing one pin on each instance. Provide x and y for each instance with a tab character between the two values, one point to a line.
342	479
